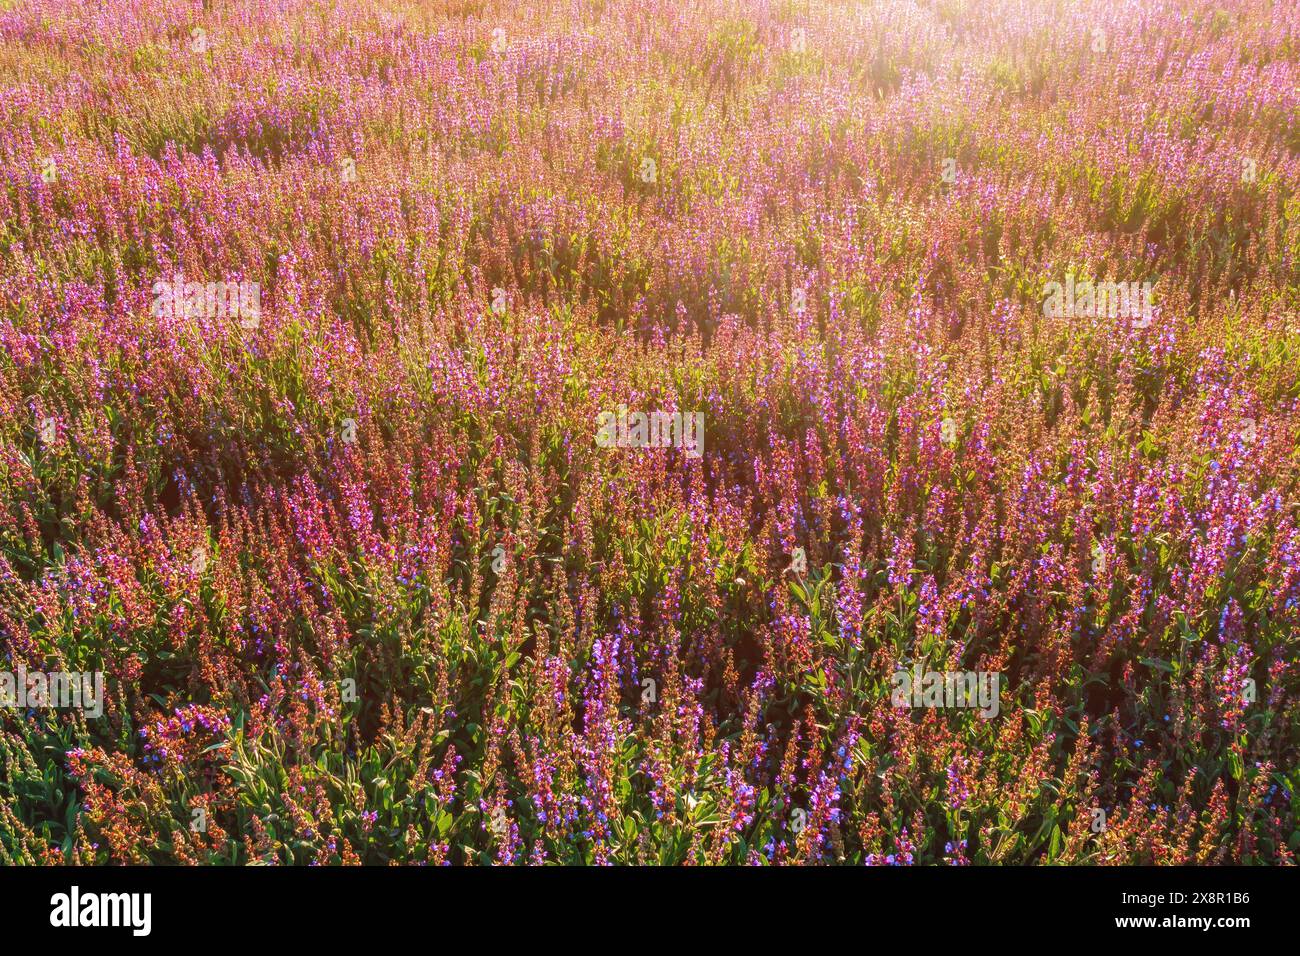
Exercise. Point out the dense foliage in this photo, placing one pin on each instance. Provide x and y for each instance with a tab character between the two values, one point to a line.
363	586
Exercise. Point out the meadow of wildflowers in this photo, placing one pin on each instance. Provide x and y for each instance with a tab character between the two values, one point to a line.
632	431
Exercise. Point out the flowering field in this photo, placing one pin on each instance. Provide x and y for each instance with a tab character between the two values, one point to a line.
632	431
